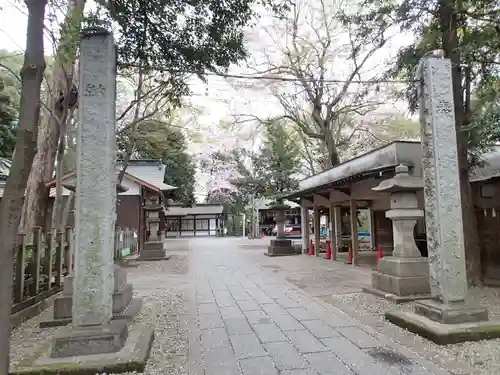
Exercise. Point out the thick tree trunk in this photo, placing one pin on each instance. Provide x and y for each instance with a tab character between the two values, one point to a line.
11	204
37	194
449	26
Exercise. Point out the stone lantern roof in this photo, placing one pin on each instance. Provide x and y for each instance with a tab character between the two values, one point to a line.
403	181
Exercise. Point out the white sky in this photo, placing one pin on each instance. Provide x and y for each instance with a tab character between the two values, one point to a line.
219	99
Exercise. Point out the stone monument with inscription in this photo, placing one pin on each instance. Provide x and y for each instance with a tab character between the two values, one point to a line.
447	317
94	342
404	276
124	305
281	246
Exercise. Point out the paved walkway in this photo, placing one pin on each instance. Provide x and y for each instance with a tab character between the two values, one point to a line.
247	320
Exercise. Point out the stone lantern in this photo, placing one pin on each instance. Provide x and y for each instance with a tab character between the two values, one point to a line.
153	247
405	274
280	246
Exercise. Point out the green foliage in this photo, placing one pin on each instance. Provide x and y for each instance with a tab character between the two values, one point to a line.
178	35
233	202
158	140
281	157
478	36
8	122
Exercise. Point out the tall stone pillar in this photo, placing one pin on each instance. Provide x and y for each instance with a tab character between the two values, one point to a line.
404	276
92	329
304	222
446	317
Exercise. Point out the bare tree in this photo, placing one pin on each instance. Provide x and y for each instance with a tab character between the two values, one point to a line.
12	201
320	66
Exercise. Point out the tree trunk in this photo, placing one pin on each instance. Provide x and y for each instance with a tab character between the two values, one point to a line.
37	194
331	147
57	209
449	26
12	201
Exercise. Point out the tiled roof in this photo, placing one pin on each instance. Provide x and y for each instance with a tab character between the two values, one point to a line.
145	172
195	210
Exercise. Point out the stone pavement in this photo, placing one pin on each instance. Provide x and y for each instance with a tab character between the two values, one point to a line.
245	320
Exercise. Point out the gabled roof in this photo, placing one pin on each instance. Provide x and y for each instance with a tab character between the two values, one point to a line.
386	158
152	171
152	182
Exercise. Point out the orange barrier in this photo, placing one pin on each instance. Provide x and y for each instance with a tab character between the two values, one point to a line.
328	250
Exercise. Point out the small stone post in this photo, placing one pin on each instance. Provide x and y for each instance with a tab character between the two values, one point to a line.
441	318
92	330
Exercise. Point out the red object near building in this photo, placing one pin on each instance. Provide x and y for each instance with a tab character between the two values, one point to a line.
349	256
328	250
311	248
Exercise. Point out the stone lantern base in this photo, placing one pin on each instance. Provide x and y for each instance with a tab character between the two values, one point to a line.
125	307
153	250
401	279
281	247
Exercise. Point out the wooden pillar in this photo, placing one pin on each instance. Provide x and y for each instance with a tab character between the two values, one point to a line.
333	231
194	225
180	226
354	232
208	226
304	222
338	227
316	230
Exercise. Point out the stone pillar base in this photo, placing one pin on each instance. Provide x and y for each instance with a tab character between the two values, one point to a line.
76	341
281	247
446	323
124	305
153	250
401	279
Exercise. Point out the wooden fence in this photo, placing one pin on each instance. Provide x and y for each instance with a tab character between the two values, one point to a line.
42	260
40	263
126	243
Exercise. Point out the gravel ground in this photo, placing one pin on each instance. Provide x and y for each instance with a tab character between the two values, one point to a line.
340	286
469	358
163	286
